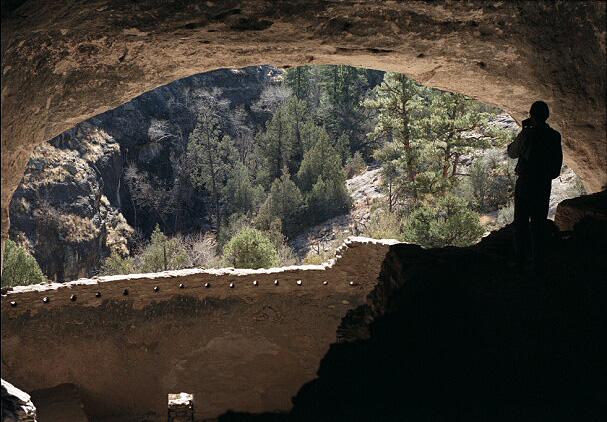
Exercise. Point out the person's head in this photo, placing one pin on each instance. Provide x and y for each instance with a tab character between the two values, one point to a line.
539	112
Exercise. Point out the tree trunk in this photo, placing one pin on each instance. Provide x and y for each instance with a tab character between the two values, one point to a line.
446	165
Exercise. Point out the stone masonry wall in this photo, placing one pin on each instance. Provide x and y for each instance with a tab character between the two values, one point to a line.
232	338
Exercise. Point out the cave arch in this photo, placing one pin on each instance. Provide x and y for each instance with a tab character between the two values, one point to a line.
64	62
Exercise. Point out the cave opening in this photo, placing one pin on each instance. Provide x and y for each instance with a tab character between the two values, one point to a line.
94	198
507	54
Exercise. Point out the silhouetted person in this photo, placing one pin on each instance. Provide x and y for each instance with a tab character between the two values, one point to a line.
540	157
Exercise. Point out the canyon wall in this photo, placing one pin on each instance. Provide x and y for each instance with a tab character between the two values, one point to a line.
241	342
63	62
75	203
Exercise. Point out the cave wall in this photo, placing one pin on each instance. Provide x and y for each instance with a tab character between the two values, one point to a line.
241	348
63	61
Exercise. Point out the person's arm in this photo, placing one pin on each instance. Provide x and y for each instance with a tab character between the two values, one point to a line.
514	148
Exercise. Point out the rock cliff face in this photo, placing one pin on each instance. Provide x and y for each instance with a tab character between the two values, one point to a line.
74	204
61	210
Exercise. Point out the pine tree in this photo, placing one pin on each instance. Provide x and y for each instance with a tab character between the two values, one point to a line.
322	160
447	223
322	177
276	143
212	154
284	202
396	100
240	195
299	81
446	123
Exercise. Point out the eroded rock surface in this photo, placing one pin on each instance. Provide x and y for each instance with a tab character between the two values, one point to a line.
17	405
64	62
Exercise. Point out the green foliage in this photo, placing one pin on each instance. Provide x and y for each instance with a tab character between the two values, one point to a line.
250	249
397	100
212	154
327	199
284	203
240	194
322	160
19	267
285	253
491	183
321	177
445	124
333	95
116	264
277	142
448	223
424	133
299	80
163	253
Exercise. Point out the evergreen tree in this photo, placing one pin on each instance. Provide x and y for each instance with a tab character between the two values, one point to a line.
322	160
445	124
240	194
284	202
19	267
396	101
448	223
299	80
163	253
276	142
297	116
340	111
250	249
212	154
322	177
116	264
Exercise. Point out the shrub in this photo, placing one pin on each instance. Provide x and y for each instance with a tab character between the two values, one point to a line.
19	267
317	258
323	248
448	223
202	250
286	256
116	264
250	249
163	253
383	225
491	183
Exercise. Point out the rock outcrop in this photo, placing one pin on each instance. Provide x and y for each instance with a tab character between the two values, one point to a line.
17	405
588	213
61	211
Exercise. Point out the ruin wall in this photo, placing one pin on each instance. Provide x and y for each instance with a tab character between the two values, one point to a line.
244	340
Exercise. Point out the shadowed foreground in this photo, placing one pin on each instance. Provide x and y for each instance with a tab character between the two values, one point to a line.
458	336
